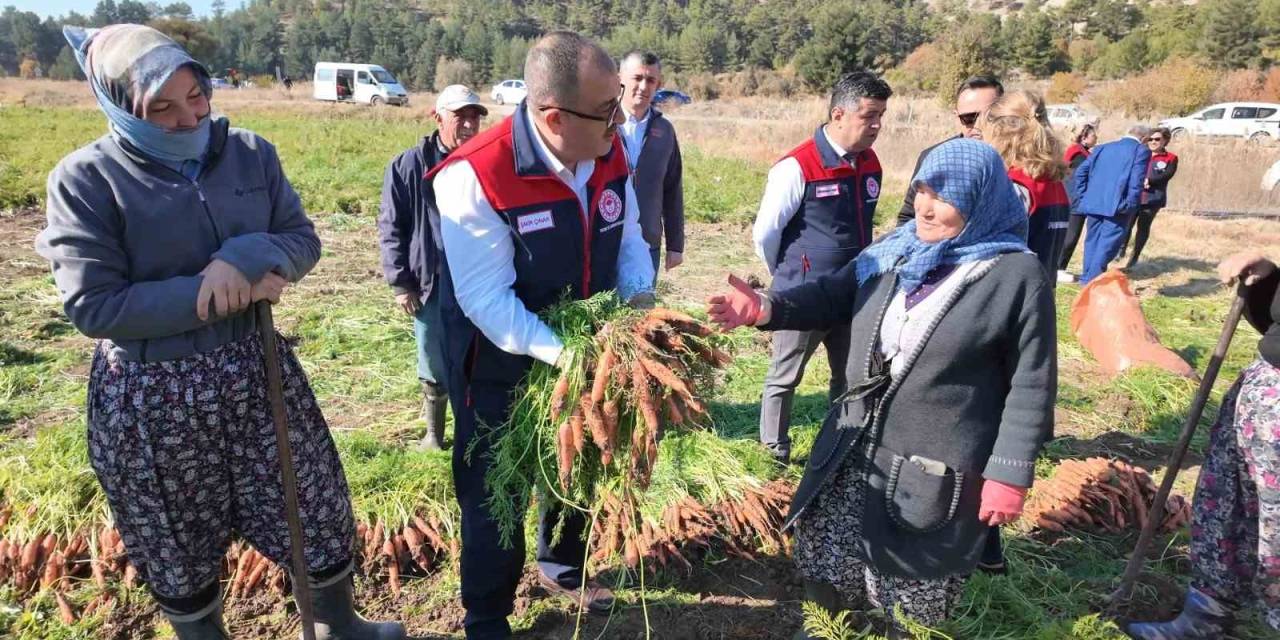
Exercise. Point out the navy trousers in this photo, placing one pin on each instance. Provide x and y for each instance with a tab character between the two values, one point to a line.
491	572
1104	236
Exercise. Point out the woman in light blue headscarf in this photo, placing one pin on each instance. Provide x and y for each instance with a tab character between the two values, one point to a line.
161	234
952	376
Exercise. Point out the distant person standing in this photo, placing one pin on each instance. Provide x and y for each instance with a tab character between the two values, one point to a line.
815	217
1075	156
654	156
409	237
1017	125
1108	190
974	96
1155	191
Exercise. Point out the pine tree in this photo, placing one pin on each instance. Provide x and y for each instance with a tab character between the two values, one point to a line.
1230	38
1034	50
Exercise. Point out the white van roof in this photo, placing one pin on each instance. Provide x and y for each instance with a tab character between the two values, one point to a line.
353	65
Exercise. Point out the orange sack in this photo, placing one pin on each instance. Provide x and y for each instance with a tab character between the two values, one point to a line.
1108	322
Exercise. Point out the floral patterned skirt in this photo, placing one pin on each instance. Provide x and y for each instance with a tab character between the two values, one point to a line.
186	453
827	536
1235	529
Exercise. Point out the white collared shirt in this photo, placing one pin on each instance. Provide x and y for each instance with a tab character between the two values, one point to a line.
783	193
481	254
633	135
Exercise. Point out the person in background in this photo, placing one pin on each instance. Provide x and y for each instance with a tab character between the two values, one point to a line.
1017	125
1107	190
973	97
163	234
952	381
1075	156
1155	191
815	216
539	205
409	238
1235	526
654	156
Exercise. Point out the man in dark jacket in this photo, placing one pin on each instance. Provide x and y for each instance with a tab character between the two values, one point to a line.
654	156
815	216
1107	189
409	236
974	96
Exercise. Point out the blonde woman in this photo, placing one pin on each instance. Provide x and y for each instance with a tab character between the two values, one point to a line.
1018	127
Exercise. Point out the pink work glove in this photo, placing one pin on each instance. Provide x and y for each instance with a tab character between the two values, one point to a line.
1001	503
740	307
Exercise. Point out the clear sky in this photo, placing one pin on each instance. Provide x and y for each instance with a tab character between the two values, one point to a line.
56	8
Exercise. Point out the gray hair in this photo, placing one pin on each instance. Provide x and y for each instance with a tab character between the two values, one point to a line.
553	68
646	58
1139	131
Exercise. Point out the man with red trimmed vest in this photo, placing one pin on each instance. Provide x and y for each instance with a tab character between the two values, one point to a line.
815	217
537	207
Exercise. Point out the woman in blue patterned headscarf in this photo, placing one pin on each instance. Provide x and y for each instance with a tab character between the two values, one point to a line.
161	234
951	382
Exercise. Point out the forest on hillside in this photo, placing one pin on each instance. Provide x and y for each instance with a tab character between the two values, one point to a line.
803	44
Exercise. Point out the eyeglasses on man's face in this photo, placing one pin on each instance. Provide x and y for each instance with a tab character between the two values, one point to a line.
613	110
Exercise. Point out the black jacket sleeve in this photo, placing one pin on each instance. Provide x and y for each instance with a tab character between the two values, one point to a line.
1261	296
908	211
820	304
395	228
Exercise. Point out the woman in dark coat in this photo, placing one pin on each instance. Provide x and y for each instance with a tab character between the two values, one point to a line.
952	379
1235	526
162	234
1155	191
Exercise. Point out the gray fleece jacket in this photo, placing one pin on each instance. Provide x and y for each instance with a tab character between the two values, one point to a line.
128	237
976	395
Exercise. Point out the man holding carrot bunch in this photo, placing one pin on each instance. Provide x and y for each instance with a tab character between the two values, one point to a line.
539	205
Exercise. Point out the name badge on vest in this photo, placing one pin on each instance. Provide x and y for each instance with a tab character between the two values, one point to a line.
827	190
537	221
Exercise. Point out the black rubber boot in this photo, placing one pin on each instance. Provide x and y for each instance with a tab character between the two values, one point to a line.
336	617
824	595
1202	618
434	401
202	625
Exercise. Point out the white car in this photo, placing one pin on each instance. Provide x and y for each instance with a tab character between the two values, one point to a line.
1069	116
1255	121
509	92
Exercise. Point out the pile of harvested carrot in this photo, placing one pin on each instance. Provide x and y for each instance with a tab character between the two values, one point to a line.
687	527
49	563
1100	495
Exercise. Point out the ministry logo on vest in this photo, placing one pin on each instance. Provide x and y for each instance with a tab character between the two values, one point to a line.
873	188
610	206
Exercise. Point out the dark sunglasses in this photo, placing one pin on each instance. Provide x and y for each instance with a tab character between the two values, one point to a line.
613	111
1153	139
969	119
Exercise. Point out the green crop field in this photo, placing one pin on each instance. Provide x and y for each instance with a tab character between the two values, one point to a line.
357	348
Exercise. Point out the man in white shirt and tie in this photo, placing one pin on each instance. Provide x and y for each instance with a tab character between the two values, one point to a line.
536	208
654	155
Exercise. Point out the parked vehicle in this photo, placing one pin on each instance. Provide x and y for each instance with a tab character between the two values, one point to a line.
363	83
671	96
1255	121
220	83
1069	116
509	92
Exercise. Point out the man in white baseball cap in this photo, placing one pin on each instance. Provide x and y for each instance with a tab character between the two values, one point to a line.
409	238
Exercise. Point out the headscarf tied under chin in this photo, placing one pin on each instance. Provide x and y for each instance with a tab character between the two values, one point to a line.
126	65
970	176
